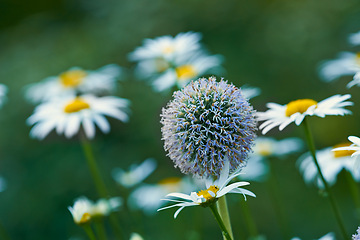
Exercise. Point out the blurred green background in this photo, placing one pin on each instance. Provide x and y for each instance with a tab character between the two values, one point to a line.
275	45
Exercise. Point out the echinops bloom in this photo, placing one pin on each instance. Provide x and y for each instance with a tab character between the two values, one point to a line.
214	190
74	81
136	173
205	123
331	164
3	91
296	111
66	115
84	210
356	236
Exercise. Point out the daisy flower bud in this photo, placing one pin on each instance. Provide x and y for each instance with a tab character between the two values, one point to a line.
205	123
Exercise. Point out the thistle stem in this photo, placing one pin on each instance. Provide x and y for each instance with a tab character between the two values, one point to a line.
219	220
224	213
334	206
99	183
87	228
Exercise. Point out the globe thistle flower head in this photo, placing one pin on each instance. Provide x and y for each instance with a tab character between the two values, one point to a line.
206	123
357	235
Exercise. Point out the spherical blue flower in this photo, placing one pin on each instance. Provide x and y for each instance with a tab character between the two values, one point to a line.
206	124
357	235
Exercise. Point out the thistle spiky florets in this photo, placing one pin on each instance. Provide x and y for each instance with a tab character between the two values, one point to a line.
206	123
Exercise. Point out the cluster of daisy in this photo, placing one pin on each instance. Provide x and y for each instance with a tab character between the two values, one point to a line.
347	63
76	98
174	61
85	210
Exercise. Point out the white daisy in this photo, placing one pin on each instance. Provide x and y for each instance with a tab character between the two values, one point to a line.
347	63
73	81
136	173
167	47
65	115
3	91
147	197
331	163
136	236
329	236
354	147
296	111
81	211
187	69
84	210
354	38
250	92
257	167
214	190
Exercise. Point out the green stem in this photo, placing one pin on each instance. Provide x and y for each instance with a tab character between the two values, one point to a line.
89	231
249	219
354	190
220	222
224	213
99	183
3	233
100	229
334	206
94	169
277	203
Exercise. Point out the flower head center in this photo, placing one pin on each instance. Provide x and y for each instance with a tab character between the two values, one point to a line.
76	105
185	72
85	218
342	153
168	49
299	106
357	58
72	78
170	180
209	194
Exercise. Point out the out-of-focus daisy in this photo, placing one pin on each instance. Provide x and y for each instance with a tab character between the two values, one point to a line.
257	167
214	190
167	47
356	236
347	63
354	147
329	236
147	197
3	91
67	114
266	146
250	92
3	184
331	164
136	173
84	210
73	81
354	38
296	111
136	236
186	70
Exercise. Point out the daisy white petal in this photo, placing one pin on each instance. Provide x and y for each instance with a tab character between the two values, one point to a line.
296	111
67	115
3	91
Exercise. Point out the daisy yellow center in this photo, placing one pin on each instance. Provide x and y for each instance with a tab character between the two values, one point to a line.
168	49
185	71
342	153
85	218
357	58
299	106
76	105
206	194
72	78
170	180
